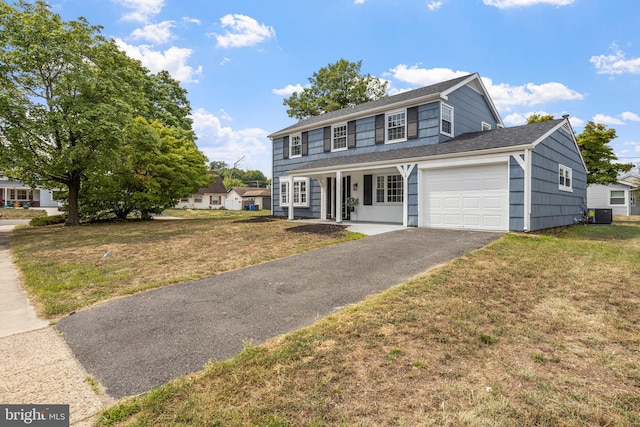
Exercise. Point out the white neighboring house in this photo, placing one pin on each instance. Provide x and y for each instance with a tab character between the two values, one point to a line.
239	198
622	197
211	197
16	193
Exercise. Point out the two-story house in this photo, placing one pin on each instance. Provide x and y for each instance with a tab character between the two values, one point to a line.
438	156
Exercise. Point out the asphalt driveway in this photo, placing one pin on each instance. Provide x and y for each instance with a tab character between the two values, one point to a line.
134	344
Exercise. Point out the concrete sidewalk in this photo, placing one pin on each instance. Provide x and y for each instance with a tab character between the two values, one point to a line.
37	366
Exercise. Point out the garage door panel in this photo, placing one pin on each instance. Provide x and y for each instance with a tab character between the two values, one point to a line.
474	197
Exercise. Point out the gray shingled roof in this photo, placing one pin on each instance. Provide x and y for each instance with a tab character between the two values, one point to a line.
466	143
378	103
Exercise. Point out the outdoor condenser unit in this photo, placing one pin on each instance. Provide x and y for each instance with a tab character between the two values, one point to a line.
600	216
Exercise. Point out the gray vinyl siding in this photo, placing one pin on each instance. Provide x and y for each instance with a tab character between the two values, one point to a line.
516	196
470	109
551	207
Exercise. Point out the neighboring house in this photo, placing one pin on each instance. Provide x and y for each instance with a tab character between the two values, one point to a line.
437	156
209	197
622	197
17	193
239	198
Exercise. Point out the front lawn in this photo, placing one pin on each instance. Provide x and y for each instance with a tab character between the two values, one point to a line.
533	330
68	268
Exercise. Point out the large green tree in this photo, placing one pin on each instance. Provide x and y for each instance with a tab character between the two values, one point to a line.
69	99
598	155
333	87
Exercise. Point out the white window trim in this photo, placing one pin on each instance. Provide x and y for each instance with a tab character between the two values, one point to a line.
624	198
562	169
386	194
286	182
291	155
486	126
442	107
386	127
346	142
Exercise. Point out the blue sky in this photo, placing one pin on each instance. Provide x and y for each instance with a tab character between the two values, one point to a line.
240	59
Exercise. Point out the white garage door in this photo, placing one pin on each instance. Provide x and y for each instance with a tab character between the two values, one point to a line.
473	197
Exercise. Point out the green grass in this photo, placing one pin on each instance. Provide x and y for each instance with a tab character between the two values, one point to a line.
68	268
531	330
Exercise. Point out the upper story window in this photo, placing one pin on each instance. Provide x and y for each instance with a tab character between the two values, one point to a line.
565	180
486	126
295	146
616	197
339	137
397	126
446	119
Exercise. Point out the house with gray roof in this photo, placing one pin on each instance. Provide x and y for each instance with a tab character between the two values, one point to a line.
438	156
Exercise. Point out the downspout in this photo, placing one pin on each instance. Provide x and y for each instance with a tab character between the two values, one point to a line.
323	194
527	189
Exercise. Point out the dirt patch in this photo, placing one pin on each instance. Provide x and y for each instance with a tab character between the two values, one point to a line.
324	229
253	220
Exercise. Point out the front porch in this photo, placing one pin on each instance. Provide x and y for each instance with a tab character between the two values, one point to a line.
366	228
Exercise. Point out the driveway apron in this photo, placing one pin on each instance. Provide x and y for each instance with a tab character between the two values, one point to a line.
134	344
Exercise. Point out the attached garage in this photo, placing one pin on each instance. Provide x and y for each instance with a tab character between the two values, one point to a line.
471	197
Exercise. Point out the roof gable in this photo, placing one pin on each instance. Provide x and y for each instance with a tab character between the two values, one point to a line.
215	187
409	98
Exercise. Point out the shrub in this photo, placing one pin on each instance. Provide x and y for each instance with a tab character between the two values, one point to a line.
47	220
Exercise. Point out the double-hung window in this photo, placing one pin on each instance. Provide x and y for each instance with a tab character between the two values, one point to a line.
564	178
295	146
300	192
616	197
389	189
446	119
339	137
397	126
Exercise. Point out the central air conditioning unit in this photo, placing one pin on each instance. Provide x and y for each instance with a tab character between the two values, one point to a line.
600	216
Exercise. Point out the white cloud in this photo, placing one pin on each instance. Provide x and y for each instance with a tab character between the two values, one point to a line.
288	90
576	122
615	63
156	33
174	60
358	1
434	5
191	20
607	120
424	76
226	144
242	31
504	4
142	10
627	115
504	95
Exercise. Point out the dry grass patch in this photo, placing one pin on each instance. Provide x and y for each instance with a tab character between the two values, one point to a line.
65	268
19	213
527	331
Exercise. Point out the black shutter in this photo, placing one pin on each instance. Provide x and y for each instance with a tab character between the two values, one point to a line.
305	143
368	190
380	129
351	134
412	123
285	147
327	139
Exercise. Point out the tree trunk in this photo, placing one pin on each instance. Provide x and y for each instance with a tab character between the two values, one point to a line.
74	191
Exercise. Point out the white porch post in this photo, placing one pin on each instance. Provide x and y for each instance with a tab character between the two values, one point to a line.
405	171
291	216
339	197
323	194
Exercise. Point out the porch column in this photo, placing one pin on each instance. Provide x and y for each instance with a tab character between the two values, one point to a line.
291	216
339	197
323	195
405	171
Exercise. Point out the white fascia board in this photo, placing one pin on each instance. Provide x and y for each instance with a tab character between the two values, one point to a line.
505	151
476	76
465	161
572	134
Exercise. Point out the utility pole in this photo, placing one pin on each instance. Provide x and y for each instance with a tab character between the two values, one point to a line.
234	166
